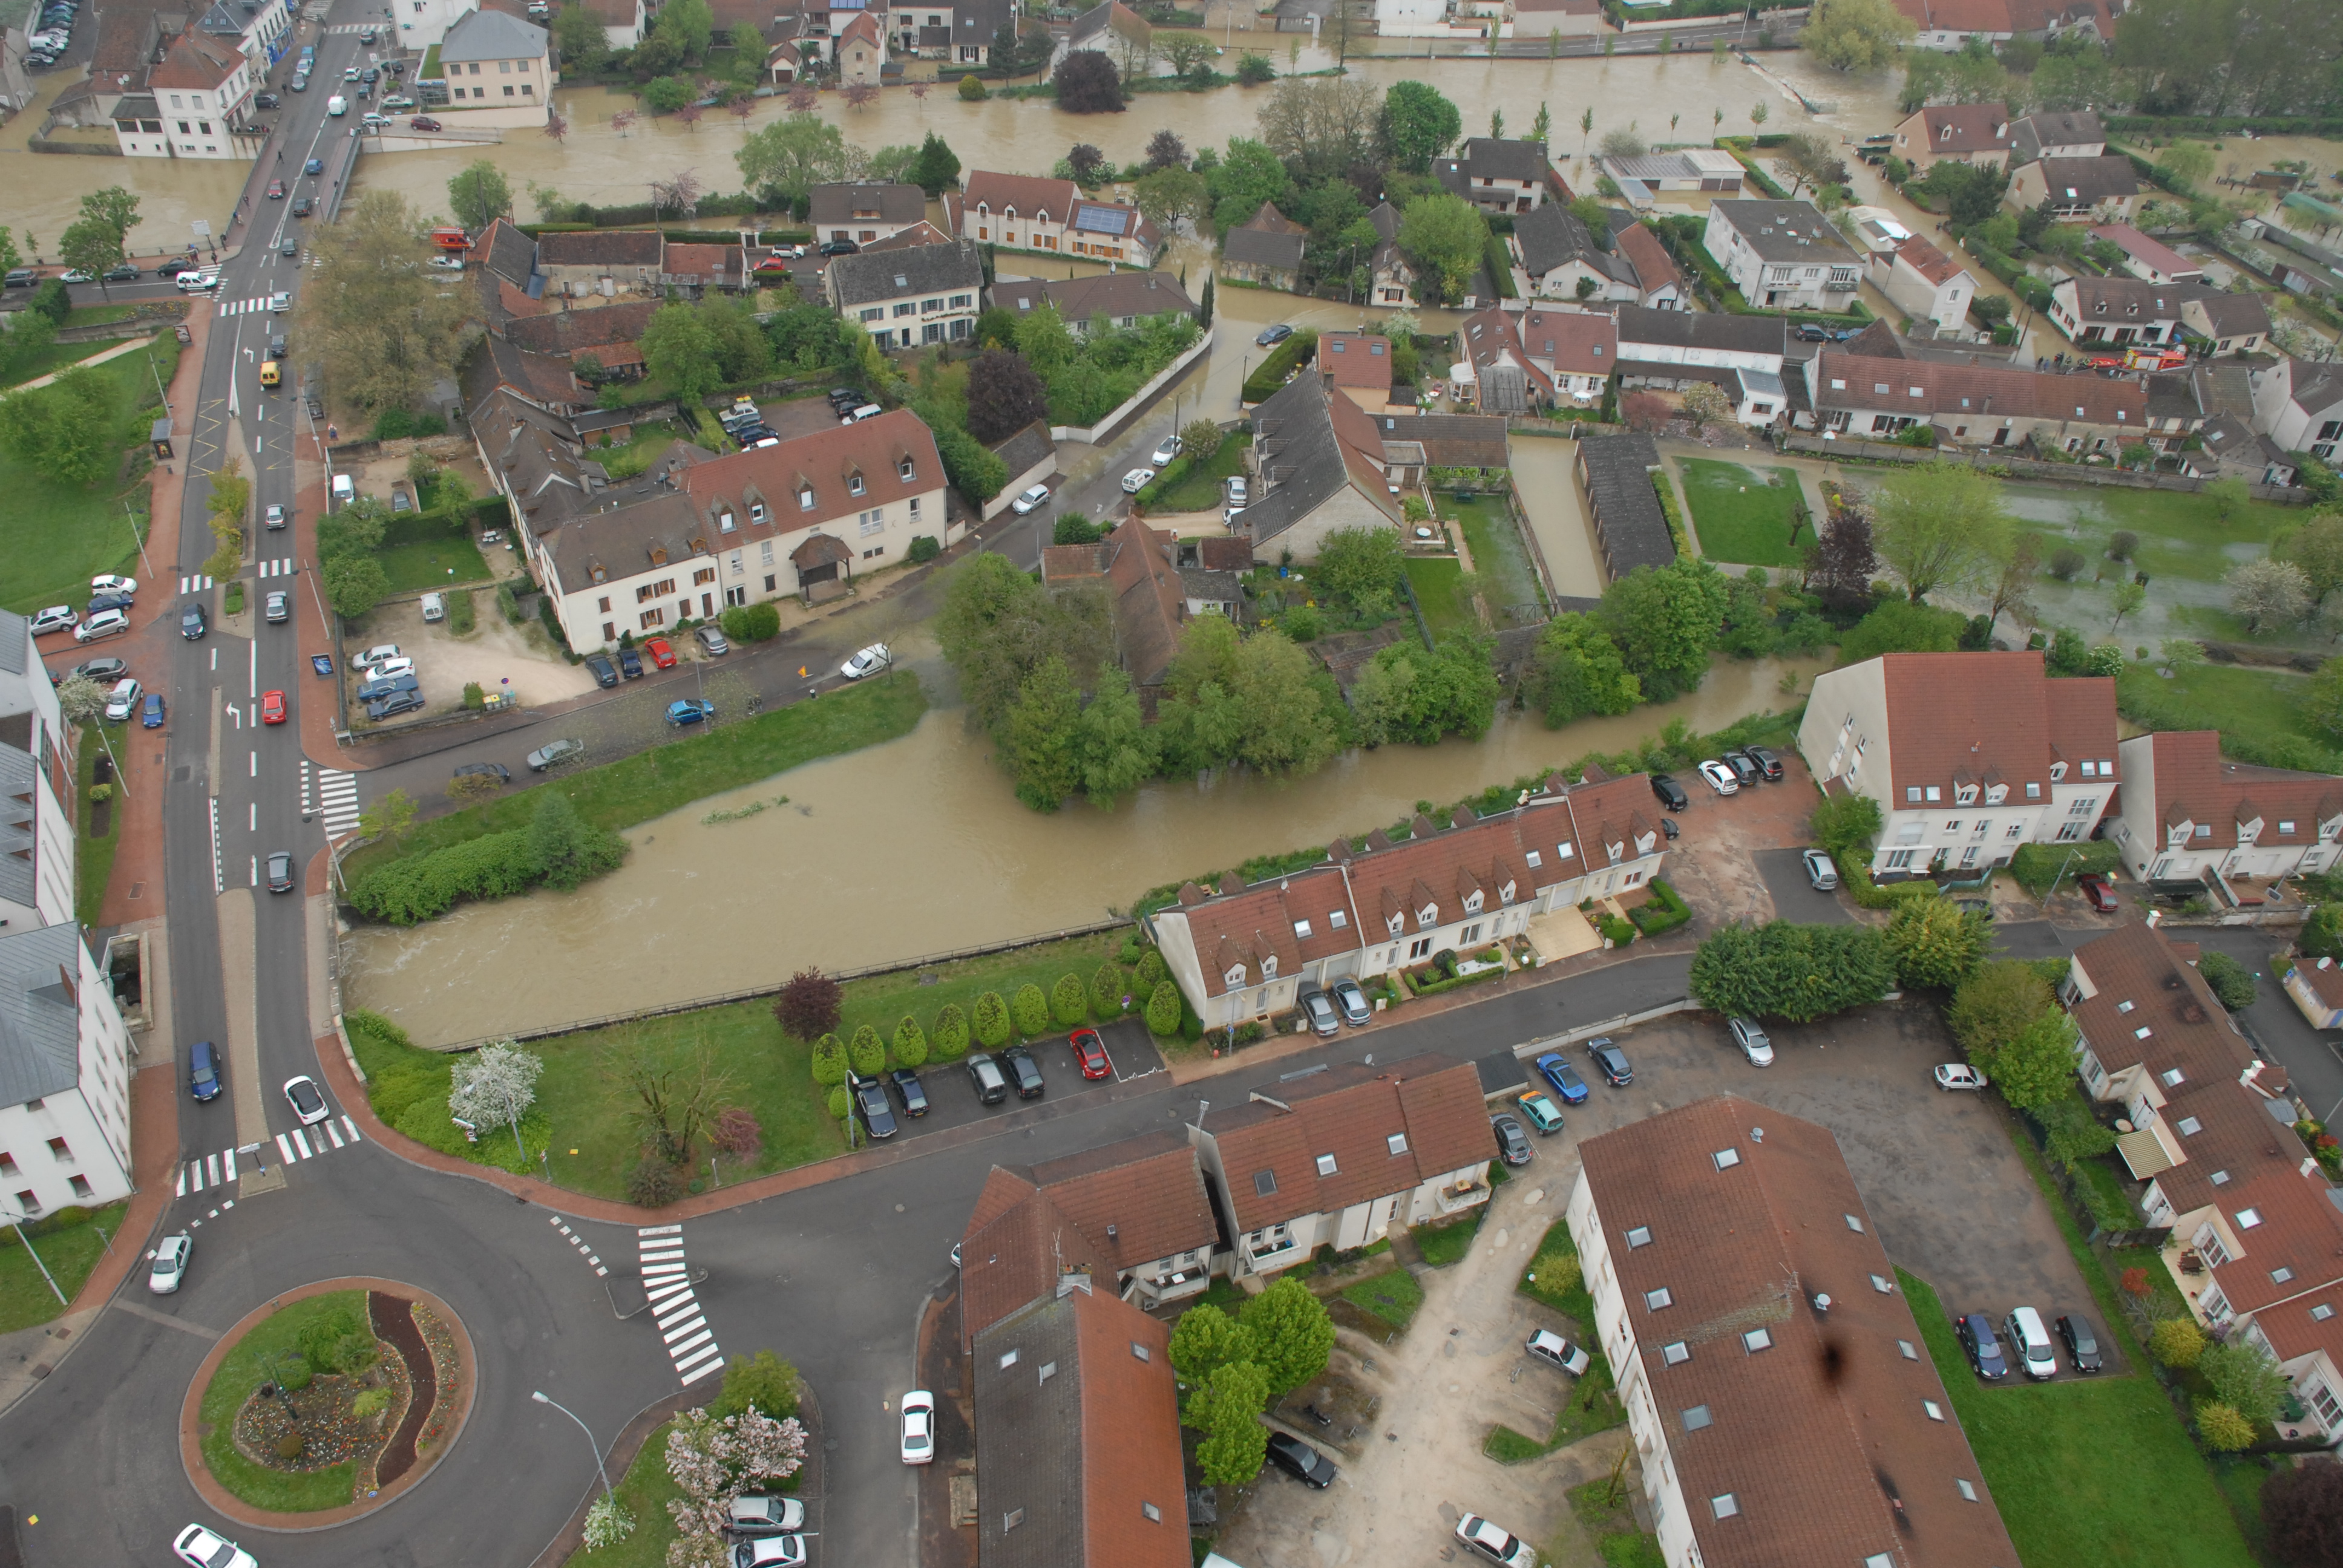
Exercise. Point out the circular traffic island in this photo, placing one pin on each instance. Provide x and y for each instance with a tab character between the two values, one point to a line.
326	1404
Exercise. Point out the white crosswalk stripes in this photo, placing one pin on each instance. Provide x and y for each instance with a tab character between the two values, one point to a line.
682	1327
243	307
337	798
585	1250
195	585
276	568
217	1169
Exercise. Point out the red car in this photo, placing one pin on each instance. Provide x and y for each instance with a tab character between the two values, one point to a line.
2095	887
661	653
423	123
1090	1053
276	190
272	708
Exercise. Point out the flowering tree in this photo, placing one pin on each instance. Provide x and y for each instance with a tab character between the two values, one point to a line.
558	127
743	108
623	121
714	1461
690	115
498	1083
860	94
803	95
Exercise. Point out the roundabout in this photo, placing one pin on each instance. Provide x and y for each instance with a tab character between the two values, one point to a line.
327	1402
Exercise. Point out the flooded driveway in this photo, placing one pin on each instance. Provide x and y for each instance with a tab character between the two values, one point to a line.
1549	492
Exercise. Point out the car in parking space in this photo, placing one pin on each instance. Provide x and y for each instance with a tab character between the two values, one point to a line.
199	1548
871	1104
103	670
867	661
278	607
170	1267
443	262
689	710
2029	1340
299	84
100	603
1319	1009
1744	770
662	652
276	190
280	872
2082	1346
1137	480
1090	1053
203	1072
1165	450
1975	1331
839	248
554	752
1564	1078
984	1072
1720	777
57	617
1960	1075
1351	1002
1030	499
1554	1351
769	1552
2095	888
122	701
308	1103
910	1092
173	268
630	663
1512	1143
1023	1071
375	690
150	712
1822	875
1484	1538
599	667
918	1427
266	101
1272	336
272	708
395	704
1669	793
1301	1460
1766	760
1611	1062
1540	1109
1751	1040
121	272
76	275
109	583
756	1513
113	623
496	771
1237	492
711	642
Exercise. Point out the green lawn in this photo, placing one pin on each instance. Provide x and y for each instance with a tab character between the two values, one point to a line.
69	1254
2094	1470
93	861
1201	488
54	537
1743	516
1447	1243
1609	1521
435	564
1499	554
652	783
2258	712
1394	1297
2180	533
644	1492
237	1376
1592	1402
1440	592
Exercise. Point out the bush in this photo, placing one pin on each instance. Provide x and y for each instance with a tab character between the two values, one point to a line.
2176	1342
1030	1008
1069	1004
762	1382
2122	545
830	1061
2223	1429
991	1020
1163	1009
1790	971
910	1045
2302	1515
1152	970
867	1052
1665	912
1108	988
291	1446
2067	563
1296	350
654	1183
2232	982
949	1039
925	547
839	1104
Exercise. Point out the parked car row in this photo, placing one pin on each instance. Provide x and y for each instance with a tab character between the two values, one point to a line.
2028	1342
626	663
878	1100
1328	1011
387	684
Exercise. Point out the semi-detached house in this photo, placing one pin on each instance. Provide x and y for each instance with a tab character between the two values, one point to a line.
1872	395
908	298
2257	1230
1969	755
1243	954
1029	212
2188	816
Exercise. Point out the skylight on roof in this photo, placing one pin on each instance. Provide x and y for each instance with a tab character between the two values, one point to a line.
1697	1417
1264	1183
2248	1218
1911	1352
1640	1236
1655	1300
2189	1125
1325	1165
2219	1178
1726	1159
1884	1285
1675	1354
1757	1340
1968	1491
1726	1505
2172	1076
1008	1359
1853	1224
1396	1143
1936	1412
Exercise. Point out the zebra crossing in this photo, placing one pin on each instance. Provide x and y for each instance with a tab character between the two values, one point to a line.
276	568
301	1143
337	798
585	1248
349	28
244	307
667	1281
195	585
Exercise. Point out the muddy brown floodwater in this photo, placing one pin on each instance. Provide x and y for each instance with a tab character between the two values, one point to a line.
912	848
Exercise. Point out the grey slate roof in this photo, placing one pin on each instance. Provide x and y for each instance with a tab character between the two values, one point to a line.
2235	314
491	35
40	1021
1258	247
2088	179
1786	231
15	642
2029	136
1702	329
893	274
1552	236
1305	453
1031	1431
839	203
1487	157
19	828
1627	508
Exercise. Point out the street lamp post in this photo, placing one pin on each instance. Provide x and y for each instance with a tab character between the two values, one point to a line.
539	1397
18	1220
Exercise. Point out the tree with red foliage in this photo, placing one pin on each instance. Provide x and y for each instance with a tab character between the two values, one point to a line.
860	94
1087	83
1005	394
1645	411
736	1134
808	1005
2302	1515
556	127
623	121
803	95
1841	562
690	115
743	108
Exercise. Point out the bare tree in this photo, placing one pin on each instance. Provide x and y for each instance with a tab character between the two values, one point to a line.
676	1095
557	126
860	94
624	121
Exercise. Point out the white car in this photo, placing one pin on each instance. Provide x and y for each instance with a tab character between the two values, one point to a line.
391	669
198	282
277	517
1960	1075
1751	1040
1166	452
769	1552
1555	1350
280	301
170	1270
377	653
1820	872
1137	480
1485	1540
110	583
447	263
869	661
1720	777
1237	491
755	1513
307	1104
1030	501
124	702
57	617
199	1548
918	1427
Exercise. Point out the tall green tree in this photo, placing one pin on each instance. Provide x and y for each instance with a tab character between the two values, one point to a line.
92	246
1405	693
1935	943
2036	1066
1855	34
936	169
1940	525
1227	1410
1293	1335
1241	182
114	207
691	25
1994	1004
479	195
577	34
679	348
371	308
1416	126
1113	749
66	431
1205	1340
568	851
1448	238
1665	621
1360	569
1040	741
1795	972
792	156
1576	672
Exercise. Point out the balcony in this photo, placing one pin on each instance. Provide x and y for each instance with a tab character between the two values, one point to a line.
1151	1292
1462	1196
1271	1254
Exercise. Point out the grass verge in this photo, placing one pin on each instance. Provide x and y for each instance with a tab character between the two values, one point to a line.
2094	1470
644	1492
1442	595
1553	1278
1203	487
1394	1297
2259	712
634	789
94	855
55	537
1500	555
70	1252
272	1338
1742	515
426	565
1507	1446
1447	1243
1609	1520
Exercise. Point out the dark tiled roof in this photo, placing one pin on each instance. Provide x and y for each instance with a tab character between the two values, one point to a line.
605	247
2047	129
1618	475
1488	157
40	1013
835	204
1116	294
1786	231
2088	179
1267	238
1150	603
1973	391
567	332
1310	444
1699	329
891	274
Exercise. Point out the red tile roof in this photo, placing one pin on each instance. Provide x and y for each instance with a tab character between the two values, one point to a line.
1954	719
1018	1256
1358	359
2194	785
827	461
1928	261
1973	391
1655	269
1136	1201
2147	252
1948	129
1151	603
1131	1433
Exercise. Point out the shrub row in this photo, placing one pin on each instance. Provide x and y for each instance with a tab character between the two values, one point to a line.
1665	912
557	849
1668	508
1296	350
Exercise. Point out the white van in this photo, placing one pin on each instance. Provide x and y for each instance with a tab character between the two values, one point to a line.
2029	1340
337	105
434	607
344	491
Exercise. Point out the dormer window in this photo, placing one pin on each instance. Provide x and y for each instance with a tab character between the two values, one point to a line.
1235	977
1269	967
726	522
853	484
1397	924
1427	917
1997	795
805	499
2057	772
756	511
1966	795
1472	903
905	469
1505	894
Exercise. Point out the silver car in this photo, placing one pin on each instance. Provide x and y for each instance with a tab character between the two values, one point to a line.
1353	1001
554	751
170	1270
1820	871
1320	1009
1751	1040
713	640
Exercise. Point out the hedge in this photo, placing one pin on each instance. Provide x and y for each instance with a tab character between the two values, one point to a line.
1667	494
1856	877
1295	351
2036	866
1500	262
1433	988
1665	912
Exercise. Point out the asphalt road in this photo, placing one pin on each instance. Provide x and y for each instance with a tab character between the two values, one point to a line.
1795	898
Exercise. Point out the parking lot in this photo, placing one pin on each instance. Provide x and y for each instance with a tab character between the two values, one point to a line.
951	1095
1795	898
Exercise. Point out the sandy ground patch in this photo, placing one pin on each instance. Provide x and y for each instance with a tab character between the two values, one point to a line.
501	656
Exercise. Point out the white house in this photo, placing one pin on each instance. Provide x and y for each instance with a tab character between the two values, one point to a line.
1782	255
1029	212
1345	1156
2187	814
2299	405
37	781
1930	286
65	1076
2117	311
1969	755
2099	189
2225	323
905	298
1780	1406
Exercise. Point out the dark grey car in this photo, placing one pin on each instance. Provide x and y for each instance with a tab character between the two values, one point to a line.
1512	1143
1301	1460
984	1072
1353	1001
871	1102
1025	1070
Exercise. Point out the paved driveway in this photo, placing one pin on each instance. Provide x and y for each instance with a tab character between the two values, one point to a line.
1795	898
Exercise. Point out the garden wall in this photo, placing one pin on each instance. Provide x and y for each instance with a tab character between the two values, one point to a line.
1094	434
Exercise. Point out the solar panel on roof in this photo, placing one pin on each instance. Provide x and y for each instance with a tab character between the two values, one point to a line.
1099	219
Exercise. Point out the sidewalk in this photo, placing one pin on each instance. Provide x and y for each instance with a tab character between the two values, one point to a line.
126	345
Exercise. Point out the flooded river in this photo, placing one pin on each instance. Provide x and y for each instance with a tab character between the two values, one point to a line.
911	847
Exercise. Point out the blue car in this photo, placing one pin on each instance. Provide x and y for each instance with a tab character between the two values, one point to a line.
203	1071
314	167
1563	1077
688	711
106	601
150	717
